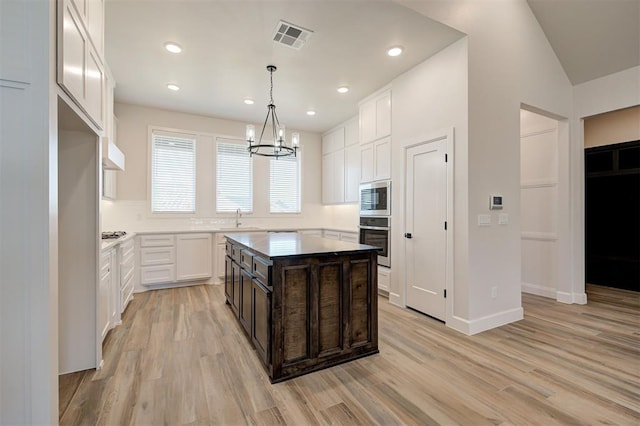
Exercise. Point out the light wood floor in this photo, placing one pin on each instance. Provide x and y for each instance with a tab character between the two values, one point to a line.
181	358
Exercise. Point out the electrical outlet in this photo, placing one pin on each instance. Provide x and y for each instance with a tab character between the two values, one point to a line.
494	292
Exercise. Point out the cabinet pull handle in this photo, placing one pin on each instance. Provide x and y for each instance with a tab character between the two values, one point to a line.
408	235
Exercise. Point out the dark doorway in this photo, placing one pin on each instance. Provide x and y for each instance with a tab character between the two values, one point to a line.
612	210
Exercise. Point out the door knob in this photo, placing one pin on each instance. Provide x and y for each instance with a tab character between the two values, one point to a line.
408	235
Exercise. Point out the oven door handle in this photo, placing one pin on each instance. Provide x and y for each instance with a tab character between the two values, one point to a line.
375	228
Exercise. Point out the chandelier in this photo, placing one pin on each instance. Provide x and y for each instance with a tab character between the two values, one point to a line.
279	147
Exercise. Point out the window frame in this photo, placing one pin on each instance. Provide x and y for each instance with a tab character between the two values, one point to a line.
171	133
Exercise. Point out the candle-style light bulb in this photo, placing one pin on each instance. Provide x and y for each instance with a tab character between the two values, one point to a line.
251	133
295	139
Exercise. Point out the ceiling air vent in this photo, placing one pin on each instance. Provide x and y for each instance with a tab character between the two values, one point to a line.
291	35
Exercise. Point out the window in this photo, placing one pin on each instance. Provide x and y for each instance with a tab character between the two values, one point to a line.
173	173
234	177
284	184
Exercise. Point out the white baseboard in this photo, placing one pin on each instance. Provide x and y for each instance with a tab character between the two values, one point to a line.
577	298
395	299
488	322
539	290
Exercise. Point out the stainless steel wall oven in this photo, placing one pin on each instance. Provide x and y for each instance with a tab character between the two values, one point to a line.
375	231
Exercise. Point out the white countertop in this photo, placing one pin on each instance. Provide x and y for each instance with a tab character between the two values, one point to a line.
109	243
234	230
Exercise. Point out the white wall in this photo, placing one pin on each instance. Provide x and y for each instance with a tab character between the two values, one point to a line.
28	214
131	210
427	101
510	62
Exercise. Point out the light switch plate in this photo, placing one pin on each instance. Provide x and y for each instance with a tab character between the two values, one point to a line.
484	220
503	219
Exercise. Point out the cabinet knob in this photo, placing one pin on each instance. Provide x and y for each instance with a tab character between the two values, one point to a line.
408	235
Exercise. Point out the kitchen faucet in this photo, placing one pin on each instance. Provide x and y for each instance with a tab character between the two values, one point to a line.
238	216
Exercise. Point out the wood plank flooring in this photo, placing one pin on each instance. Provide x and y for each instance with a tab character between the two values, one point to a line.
180	358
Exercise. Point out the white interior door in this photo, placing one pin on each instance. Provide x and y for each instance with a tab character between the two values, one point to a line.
425	234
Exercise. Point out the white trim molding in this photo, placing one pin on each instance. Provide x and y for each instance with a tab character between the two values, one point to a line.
539	290
570	298
471	327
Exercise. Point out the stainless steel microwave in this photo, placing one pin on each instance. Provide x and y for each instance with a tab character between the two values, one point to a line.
375	198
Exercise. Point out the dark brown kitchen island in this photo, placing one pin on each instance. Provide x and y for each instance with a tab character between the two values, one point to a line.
305	302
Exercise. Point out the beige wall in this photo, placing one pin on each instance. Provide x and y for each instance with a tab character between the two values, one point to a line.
612	127
131	210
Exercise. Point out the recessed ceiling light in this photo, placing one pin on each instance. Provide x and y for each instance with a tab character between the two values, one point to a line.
249	101
394	51
343	89
311	112
173	87
173	47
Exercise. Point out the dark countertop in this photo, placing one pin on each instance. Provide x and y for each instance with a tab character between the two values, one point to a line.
289	244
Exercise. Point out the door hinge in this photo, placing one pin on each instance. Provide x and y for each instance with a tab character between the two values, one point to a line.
445	293
445	225
446	158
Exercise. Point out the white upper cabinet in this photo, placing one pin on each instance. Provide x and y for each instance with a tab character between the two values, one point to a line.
333	141
80	55
341	164
375	137
375	160
375	116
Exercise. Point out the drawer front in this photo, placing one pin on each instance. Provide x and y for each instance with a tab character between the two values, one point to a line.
235	253
349	237
262	270
246	260
157	274
384	278
332	235
157	256
157	240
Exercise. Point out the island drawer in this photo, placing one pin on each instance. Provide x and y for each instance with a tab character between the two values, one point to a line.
246	260
262	270
233	252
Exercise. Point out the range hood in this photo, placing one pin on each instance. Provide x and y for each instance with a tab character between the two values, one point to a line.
112	157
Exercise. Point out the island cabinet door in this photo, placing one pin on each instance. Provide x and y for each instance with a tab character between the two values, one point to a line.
235	282
362	303
245	300
228	279
261	321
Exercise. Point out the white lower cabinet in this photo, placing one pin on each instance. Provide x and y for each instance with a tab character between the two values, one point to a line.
105	293
311	232
127	272
169	258
157	259
351	237
193	257
384	278
221	252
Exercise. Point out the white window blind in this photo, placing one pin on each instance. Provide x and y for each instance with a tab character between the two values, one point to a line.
234	177
284	185
173	174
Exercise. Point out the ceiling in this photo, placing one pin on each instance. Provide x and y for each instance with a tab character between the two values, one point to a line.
592	38
228	44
